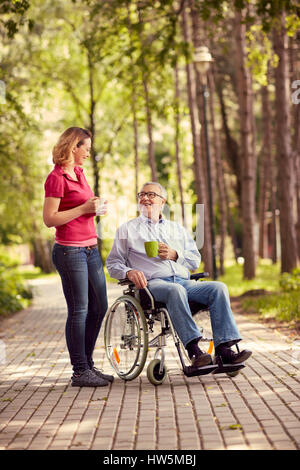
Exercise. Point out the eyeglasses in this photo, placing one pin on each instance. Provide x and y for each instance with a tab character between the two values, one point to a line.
151	195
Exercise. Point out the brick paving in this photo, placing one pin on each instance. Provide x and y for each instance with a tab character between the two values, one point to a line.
258	409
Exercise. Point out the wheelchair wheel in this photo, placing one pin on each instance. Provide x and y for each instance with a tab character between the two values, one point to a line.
153	374
233	374
126	337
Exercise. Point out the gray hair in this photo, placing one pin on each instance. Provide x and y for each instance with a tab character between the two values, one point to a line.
163	191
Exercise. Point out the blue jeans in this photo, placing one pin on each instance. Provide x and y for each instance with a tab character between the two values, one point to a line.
84	287
175	292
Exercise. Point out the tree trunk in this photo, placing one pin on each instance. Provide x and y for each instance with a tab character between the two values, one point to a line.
296	158
136	141
198	163
42	254
92	127
265	168
231	227
134	113
220	183
248	151
288	243
232	147
294	68
202	93
92	123
232	157
177	135
145	79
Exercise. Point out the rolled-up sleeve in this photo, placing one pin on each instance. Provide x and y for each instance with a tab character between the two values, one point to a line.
188	255
116	262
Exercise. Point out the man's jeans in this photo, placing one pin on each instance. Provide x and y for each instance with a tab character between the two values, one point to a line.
84	287
175	292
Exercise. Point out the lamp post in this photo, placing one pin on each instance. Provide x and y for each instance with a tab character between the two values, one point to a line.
202	60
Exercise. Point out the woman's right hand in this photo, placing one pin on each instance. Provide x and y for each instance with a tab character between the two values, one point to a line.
90	206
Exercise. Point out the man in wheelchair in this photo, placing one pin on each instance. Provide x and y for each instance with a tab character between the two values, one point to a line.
167	277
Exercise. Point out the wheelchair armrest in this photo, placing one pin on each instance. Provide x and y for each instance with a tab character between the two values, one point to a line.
199	276
125	282
196	276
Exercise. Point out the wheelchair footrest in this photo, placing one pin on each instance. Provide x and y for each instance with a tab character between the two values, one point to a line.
191	371
226	368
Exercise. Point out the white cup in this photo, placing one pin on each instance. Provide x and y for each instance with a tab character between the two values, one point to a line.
102	206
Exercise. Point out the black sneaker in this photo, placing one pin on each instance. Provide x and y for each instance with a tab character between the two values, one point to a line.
88	379
230	357
109	378
201	359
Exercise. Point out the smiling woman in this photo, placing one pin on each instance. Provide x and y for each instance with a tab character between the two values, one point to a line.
70	206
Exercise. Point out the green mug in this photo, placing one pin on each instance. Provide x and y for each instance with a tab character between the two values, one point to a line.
151	248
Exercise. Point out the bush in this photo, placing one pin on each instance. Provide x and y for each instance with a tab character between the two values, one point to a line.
285	305
14	294
290	281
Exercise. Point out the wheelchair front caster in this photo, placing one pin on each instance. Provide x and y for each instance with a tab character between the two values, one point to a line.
233	374
154	375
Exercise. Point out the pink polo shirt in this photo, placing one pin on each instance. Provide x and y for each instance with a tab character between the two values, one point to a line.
80	231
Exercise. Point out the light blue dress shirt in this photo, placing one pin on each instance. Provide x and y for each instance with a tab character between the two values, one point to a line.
128	251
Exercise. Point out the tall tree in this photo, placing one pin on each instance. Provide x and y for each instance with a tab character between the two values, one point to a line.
199	173
248	156
177	137
220	180
289	249
146	79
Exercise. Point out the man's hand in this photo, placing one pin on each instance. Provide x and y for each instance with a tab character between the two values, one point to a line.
138	278
165	252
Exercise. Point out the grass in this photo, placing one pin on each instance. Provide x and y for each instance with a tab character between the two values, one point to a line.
267	278
284	306
33	272
270	294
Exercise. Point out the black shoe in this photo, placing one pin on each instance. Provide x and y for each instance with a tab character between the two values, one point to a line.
230	357
201	359
109	378
88	379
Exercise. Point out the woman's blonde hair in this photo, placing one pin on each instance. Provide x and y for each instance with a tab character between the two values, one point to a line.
62	151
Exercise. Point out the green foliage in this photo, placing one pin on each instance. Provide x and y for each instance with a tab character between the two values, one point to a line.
290	282
267	278
14	294
282	307
285	305
13	15
267	11
260	54
48	82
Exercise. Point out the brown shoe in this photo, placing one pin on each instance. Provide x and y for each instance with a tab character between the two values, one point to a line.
230	357
201	359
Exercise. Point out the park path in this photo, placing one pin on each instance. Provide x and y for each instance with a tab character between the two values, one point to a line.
258	409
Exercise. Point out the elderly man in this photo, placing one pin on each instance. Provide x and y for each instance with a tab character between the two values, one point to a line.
167	276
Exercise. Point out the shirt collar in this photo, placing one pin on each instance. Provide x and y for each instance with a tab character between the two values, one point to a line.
146	219
60	170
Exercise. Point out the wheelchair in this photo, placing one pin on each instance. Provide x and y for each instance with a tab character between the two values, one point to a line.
131	322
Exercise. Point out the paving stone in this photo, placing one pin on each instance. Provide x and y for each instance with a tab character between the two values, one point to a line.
39	409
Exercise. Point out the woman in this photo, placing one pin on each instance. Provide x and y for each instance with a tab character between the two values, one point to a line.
70	207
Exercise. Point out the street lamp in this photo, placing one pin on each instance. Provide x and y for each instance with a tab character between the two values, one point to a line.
202	60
